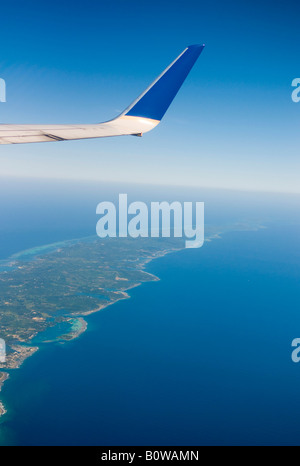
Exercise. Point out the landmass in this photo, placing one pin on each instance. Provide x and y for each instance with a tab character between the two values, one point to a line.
2	409
3	376
78	326
74	280
62	283
17	356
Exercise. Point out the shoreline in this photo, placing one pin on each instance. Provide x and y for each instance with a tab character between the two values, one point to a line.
80	327
3	410
15	361
22	352
3	377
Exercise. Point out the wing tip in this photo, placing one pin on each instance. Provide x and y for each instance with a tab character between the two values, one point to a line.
156	99
196	46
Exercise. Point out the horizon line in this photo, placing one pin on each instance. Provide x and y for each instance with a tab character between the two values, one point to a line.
135	183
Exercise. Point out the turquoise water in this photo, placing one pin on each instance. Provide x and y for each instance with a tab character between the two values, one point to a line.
201	357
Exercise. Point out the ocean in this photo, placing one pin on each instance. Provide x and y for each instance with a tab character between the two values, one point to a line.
201	357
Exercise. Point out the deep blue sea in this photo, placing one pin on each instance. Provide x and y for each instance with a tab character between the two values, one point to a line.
202	357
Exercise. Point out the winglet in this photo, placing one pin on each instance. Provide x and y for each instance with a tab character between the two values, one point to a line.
156	99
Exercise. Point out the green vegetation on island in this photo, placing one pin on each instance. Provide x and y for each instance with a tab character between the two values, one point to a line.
74	280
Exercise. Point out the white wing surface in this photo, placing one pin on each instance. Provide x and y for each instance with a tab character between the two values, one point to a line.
140	117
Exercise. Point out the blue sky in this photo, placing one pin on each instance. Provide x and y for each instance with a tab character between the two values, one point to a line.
232	125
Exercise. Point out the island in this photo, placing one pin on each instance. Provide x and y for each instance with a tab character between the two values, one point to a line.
58	285
42	289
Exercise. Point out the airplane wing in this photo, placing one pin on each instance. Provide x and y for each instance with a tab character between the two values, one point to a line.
140	117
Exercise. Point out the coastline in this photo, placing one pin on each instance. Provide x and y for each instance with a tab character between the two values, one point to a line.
79	324
20	353
2	409
78	327
3	377
77	321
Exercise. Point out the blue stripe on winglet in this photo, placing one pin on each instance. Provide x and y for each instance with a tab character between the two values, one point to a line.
156	101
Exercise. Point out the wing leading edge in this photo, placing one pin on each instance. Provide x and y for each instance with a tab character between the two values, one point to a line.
144	114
